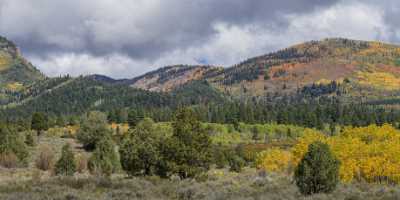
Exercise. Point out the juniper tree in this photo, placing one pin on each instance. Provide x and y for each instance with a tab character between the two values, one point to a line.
104	160
318	171
66	165
92	129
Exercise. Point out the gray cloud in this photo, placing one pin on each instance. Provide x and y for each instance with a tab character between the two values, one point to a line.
124	38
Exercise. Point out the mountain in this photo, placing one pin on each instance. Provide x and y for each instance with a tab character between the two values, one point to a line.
361	68
14	69
16	73
357	69
168	78
348	70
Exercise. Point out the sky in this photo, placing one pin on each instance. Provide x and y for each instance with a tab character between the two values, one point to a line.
126	38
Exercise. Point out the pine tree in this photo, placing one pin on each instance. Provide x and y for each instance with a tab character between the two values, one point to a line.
60	122
132	118
92	129
236	164
187	152
135	116
318	171
12	144
104	160
30	139
66	165
39	122
140	149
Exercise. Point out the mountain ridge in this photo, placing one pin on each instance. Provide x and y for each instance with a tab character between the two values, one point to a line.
331	59
349	70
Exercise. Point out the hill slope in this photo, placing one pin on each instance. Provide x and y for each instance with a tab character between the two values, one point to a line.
14	68
16	73
75	96
362	68
366	65
356	69
168	78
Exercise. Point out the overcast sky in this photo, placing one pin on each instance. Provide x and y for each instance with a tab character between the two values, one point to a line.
126	38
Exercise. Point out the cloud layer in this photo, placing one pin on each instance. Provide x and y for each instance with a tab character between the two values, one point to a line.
125	38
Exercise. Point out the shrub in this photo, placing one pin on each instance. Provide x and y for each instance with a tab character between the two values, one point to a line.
140	149
30	138
81	163
11	144
92	129
8	160
45	161
318	171
104	160
66	164
220	156
236	164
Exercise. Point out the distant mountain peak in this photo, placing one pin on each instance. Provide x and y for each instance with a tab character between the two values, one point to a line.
170	77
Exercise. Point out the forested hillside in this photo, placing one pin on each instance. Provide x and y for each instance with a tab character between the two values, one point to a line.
16	72
334	81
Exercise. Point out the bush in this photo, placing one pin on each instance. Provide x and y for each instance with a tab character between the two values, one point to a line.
30	138
219	157
104	160
140	149
66	164
92	129
236	164
11	144
222	154
81	163
318	171
8	160
45	161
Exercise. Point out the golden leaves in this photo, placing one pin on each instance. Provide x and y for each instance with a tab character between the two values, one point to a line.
366	153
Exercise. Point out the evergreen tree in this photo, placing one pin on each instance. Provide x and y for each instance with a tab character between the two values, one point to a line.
187	152
256	134
135	116
132	118
92	129
332	128
12	144
39	122
60	122
30	139
112	116
140	149
236	163
104	160
318	171
66	165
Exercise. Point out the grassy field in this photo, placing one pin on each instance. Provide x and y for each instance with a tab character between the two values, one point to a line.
220	184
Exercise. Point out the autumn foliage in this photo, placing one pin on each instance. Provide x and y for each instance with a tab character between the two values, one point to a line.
368	154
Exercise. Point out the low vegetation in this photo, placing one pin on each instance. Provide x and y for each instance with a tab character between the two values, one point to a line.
190	159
